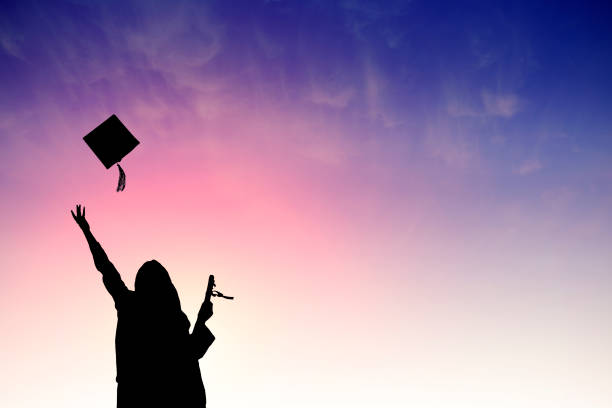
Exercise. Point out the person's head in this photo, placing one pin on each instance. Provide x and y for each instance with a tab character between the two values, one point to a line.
153	285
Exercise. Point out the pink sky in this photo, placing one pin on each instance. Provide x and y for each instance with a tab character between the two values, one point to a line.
395	234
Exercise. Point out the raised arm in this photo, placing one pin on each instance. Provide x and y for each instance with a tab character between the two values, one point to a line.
110	275
201	337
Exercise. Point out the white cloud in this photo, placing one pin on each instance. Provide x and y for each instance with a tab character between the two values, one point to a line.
457	109
497	139
374	87
267	43
504	105
452	147
490	104
325	152
336	100
9	45
558	198
186	39
528	167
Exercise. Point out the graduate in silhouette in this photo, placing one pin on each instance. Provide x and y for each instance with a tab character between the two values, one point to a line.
157	357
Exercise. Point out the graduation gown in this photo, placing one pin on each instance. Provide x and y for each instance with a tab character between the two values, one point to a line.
156	356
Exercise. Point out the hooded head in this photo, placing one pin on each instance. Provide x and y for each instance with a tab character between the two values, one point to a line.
154	287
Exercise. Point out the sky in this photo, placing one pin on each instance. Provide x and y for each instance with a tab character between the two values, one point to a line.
409	200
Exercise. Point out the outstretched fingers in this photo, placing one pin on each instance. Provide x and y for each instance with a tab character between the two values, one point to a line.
79	214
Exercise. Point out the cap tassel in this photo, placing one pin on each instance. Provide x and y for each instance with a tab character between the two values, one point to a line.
121	183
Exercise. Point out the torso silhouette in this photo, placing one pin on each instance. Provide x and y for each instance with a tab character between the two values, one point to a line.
157	358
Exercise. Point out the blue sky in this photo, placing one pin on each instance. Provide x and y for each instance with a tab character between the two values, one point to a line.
384	169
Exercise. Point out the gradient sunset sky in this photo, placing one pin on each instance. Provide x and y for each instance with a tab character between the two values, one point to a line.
410	200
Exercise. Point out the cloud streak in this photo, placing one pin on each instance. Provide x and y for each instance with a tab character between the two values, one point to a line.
528	167
489	105
503	105
332	99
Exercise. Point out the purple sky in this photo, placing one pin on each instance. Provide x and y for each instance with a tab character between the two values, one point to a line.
410	199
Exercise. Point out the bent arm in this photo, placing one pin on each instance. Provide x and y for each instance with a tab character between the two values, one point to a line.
201	337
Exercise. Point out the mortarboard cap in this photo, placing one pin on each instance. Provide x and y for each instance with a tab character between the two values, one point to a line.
111	141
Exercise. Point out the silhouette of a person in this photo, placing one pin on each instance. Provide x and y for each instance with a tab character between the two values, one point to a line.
157	357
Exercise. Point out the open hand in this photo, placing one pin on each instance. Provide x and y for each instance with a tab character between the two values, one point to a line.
80	218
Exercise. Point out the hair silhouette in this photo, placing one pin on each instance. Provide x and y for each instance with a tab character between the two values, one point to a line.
156	356
155	289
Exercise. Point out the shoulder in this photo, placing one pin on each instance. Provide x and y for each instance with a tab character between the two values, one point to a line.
126	300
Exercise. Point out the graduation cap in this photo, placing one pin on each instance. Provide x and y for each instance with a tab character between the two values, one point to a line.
111	141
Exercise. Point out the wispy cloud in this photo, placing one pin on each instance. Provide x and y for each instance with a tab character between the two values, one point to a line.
504	105
10	46
267	43
454	148
458	109
558	198
186	40
490	105
338	99
528	167
362	14
375	85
